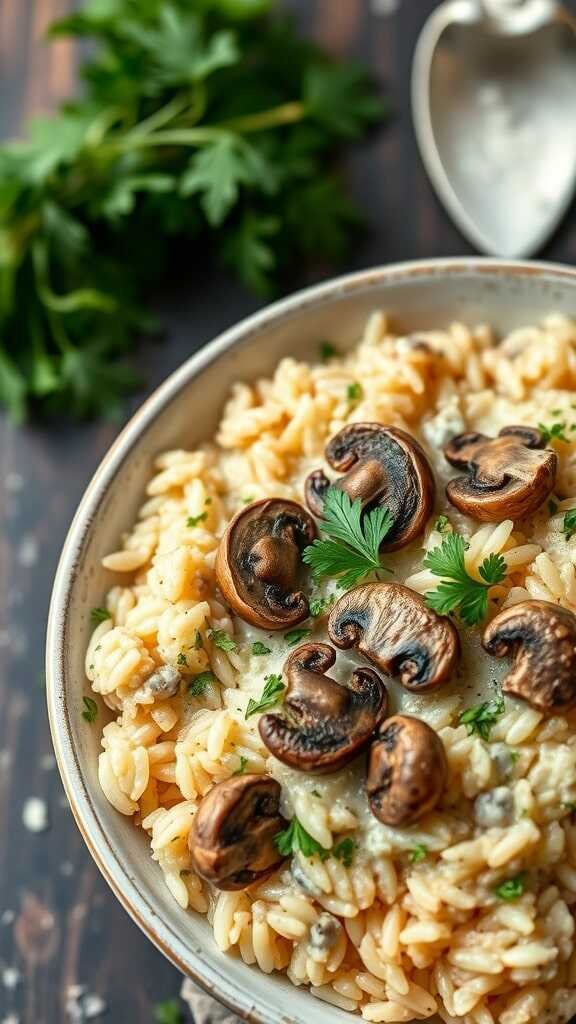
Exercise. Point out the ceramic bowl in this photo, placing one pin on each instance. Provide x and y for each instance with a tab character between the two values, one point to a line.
182	412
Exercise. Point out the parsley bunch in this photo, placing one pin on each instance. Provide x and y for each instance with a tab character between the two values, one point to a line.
458	591
352	549
205	121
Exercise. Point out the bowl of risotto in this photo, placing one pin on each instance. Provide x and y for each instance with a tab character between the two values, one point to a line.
312	653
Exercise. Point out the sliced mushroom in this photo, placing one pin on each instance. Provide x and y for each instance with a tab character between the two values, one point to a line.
508	476
383	466
540	637
392	626
407	771
232	835
324	724
259	567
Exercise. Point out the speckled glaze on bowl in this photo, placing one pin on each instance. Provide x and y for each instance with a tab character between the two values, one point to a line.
182	412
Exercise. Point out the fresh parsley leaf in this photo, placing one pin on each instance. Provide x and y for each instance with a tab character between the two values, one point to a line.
443	524
569	523
98	615
296	839
258	649
482	717
242	766
198	641
319	605
458	591
552	507
199	683
419	853
168	1012
294	636
354	392
219	169
90	712
194	520
344	851
327	351
353	548
273	687
553	432
514	756
512	889
182	660
220	638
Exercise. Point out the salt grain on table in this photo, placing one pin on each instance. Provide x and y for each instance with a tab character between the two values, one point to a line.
35	815
11	977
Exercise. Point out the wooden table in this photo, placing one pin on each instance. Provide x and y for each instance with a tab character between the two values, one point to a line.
60	926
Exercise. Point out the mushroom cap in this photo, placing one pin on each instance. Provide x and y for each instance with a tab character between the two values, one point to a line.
383	466
232	835
324	724
509	476
259	567
540	637
407	771
392	626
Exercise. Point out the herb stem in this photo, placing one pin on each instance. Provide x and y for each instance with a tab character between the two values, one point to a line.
286	113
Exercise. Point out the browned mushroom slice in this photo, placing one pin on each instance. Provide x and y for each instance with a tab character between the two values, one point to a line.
259	567
232	835
407	771
324	724
392	626
509	476
383	466
540	637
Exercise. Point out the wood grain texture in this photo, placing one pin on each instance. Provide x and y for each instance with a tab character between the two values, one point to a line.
59	924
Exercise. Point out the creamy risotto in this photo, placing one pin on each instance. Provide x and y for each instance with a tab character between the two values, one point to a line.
366	781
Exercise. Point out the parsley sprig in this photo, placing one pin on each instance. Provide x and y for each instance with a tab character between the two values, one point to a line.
295	839
458	591
352	549
481	718
512	889
569	523
273	687
211	123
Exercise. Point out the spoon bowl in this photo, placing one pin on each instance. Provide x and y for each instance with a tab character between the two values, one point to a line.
493	104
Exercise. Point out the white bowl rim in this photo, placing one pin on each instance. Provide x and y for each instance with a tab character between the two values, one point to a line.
213	980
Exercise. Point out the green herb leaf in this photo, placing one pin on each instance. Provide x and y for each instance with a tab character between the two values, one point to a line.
90	712
327	351
319	605
353	548
182	660
296	839
482	717
273	687
220	638
194	520
199	683
511	890
242	766
419	853
219	169
552	507
98	615
553	432
459	591
443	524
569	524
198	641
344	851
168	1012
354	392
294	636
258	649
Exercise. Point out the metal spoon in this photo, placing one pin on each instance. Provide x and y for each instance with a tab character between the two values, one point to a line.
494	107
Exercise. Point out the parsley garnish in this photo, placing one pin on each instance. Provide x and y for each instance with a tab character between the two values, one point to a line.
201	121
199	683
419	853
569	524
242	766
182	660
258	649
511	890
90	712
482	717
198	641
344	851
443	524
295	838
514	756
327	351
552	507
353	548
319	605
555	432
194	520
354	392
273	687
458	591
98	615
220	638
294	636
168	1012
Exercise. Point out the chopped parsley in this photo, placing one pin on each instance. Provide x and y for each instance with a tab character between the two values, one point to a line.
510	890
327	351
168	1012
90	712
319	605
458	591
552	507
182	660
352	549
258	649
554	432
273	687
443	524
481	718
294	636
296	839
198	641
194	520
354	392
220	638
242	766
98	615
569	524
199	683
418	854
344	851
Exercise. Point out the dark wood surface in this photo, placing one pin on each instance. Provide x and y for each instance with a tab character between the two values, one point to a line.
59	924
